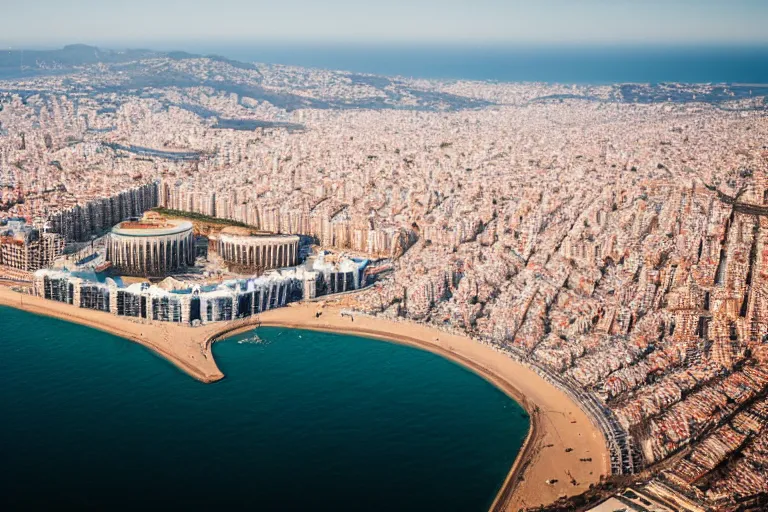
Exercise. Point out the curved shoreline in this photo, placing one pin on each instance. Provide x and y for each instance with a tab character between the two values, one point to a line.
557	423
503	497
183	353
553	416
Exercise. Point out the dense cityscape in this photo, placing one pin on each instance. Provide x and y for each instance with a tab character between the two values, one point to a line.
612	238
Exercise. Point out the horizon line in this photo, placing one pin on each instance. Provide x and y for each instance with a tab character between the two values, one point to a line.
146	44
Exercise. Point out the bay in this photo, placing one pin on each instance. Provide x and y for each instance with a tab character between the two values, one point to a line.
302	420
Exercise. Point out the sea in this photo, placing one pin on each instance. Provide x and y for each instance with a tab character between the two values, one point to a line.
302	421
573	64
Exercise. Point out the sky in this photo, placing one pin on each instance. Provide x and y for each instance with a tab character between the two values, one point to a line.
112	23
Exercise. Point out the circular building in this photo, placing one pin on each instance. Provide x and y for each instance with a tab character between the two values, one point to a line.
151	246
246	251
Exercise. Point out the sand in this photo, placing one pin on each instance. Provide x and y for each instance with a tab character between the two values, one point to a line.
179	345
557	423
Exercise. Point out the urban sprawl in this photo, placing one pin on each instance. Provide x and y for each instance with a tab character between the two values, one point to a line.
614	240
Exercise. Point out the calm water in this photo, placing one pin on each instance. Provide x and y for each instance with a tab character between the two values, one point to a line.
560	64
302	420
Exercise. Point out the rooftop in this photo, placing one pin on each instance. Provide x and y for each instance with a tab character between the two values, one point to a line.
233	232
151	225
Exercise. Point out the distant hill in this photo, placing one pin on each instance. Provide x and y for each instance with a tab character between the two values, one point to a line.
25	62
70	55
137	78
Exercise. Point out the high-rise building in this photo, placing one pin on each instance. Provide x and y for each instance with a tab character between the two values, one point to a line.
26	248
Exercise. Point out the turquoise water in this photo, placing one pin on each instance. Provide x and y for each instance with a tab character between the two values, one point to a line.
562	64
302	420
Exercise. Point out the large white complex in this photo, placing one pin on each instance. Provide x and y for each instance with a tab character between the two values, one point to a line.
151	247
195	304
191	305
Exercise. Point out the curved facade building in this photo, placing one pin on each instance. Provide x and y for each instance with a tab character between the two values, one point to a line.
194	304
152	247
254	253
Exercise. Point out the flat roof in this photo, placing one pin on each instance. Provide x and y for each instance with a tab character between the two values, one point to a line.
171	227
266	237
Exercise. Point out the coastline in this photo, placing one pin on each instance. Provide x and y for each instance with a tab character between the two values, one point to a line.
505	497
556	423
183	352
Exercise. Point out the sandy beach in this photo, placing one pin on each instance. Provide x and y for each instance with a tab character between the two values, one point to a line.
557	424
178	344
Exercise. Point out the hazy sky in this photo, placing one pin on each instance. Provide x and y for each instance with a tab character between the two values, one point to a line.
54	22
